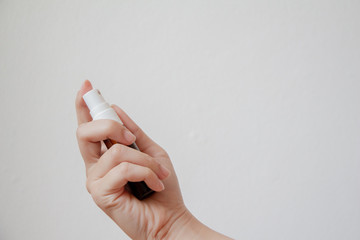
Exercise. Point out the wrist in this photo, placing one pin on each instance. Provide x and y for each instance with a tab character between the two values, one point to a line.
186	226
183	226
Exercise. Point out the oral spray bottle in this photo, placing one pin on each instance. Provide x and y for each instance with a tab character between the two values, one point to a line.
100	109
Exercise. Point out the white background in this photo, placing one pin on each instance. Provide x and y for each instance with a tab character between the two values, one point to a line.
257	103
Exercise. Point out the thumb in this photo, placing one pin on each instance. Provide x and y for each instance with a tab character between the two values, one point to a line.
144	142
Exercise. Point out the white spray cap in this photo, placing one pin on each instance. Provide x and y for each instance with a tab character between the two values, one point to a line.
93	98
99	108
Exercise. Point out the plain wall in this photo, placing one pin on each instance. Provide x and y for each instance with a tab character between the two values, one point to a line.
257	103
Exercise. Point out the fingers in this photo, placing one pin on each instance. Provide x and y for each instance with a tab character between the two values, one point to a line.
90	135
102	129
82	111
145	143
119	154
118	176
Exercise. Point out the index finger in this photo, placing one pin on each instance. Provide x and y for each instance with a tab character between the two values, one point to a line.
82	110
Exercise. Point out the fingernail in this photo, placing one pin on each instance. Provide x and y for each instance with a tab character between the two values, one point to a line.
161	186
129	136
164	171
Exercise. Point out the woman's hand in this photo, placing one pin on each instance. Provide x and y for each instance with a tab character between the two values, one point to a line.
161	216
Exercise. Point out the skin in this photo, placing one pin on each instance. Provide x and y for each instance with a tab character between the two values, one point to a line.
161	216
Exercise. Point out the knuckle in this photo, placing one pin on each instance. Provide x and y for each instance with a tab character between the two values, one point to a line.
110	125
156	164
124	168
149	159
152	163
148	173
137	130
116	150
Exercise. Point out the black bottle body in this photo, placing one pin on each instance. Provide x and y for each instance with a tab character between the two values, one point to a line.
139	189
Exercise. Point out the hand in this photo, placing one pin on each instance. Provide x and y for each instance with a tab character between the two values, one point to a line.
162	215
